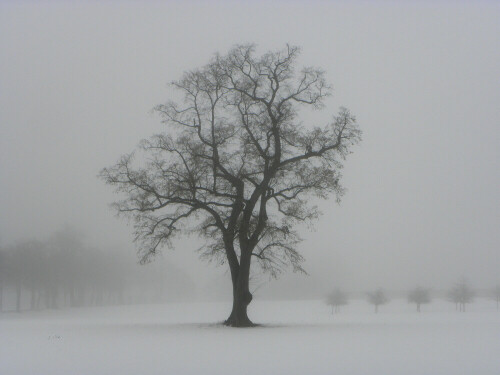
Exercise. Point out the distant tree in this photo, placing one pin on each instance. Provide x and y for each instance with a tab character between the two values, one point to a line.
336	299
20	268
26	258
461	294
496	294
419	296
377	298
236	165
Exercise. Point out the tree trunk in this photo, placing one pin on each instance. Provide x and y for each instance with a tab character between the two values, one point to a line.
18	295
38	299
33	297
54	297
72	301
240	276
46	296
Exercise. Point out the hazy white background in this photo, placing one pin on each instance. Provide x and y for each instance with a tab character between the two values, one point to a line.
78	79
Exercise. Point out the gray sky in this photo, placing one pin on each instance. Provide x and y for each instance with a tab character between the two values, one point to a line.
77	82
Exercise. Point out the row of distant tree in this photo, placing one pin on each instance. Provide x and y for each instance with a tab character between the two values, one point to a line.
460	294
63	272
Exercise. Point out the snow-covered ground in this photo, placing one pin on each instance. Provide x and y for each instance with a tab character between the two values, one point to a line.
298	337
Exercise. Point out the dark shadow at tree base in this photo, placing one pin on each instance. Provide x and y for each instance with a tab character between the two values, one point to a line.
236	323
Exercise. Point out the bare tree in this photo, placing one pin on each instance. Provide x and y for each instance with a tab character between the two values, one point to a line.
377	298
237	160
496	294
461	294
336	299
419	296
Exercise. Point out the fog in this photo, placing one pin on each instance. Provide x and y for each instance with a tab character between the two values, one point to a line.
78	81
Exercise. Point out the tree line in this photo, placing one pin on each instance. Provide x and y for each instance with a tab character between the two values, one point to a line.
63	272
460	294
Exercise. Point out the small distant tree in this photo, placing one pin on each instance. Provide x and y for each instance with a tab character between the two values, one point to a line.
336	299
461	294
496	294
419	296
377	298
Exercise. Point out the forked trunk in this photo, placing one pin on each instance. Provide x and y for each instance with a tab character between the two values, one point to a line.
242	297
